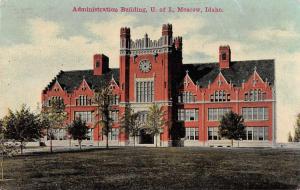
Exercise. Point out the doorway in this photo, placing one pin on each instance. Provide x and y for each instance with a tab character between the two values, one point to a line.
146	138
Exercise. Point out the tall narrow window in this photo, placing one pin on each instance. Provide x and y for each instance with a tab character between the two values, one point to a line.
144	91
223	56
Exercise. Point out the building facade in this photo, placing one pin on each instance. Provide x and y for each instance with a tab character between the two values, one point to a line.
193	96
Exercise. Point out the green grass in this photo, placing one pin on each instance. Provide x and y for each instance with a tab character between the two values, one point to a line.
157	168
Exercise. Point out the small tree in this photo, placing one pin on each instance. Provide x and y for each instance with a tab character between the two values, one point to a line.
290	138
232	127
155	121
22	126
102	100
297	129
53	117
7	149
130	123
78	130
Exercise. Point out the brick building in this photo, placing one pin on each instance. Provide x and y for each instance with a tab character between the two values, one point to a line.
195	95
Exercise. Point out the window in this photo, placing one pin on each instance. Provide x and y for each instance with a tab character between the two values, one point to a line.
114	115
220	96
216	114
257	133
255	95
213	133
142	116
255	113
83	101
59	134
90	134
114	100
188	114
186	97
97	64
53	98
223	56
249	133
192	133
181	114
84	116
114	134
144	91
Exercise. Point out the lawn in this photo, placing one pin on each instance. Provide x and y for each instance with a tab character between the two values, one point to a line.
157	168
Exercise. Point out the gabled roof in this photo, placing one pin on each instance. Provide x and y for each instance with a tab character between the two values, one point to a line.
201	73
69	80
238	72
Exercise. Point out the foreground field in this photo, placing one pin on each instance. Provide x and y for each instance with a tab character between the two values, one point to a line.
156	168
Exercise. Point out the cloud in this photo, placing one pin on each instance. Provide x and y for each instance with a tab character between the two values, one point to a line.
25	69
272	34
42	31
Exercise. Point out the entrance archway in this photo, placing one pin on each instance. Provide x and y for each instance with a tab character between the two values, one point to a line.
146	138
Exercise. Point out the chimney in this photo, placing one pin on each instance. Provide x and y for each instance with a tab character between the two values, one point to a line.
224	57
101	64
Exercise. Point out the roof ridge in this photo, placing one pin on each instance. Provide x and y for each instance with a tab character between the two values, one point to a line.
77	70
247	60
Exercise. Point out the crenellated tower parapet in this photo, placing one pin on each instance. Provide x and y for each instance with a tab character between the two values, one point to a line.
145	45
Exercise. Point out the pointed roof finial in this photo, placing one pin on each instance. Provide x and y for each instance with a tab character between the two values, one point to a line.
255	68
187	72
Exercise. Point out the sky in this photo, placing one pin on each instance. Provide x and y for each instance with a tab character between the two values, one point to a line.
40	38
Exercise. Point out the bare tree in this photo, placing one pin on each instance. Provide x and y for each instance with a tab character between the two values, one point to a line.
155	121
53	117
102	99
130	123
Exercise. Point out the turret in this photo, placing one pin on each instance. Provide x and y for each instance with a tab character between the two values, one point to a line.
178	43
125	38
167	34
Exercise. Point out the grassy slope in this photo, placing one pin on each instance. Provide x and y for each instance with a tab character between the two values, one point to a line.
157	168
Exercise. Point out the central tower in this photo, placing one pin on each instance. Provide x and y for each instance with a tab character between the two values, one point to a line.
148	69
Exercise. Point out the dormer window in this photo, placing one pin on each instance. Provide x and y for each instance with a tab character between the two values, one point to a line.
54	98
114	100
220	96
83	101
186	97
255	95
